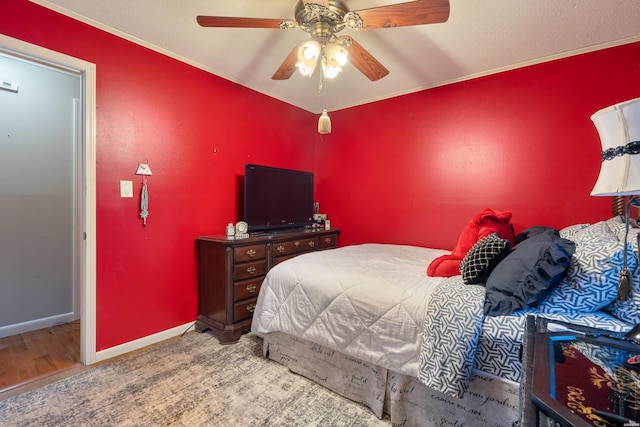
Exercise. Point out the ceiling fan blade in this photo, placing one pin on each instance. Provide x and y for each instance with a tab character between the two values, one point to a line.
288	66
417	12
364	61
231	22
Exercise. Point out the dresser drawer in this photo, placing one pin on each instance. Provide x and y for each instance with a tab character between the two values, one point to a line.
294	246
247	288
278	260
247	270
248	253
328	241
244	309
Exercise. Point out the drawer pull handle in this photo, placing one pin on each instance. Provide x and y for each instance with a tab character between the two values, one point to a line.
296	244
327	240
251	307
280	249
251	288
311	243
251	270
251	253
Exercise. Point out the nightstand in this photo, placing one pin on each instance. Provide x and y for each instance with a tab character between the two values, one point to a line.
579	376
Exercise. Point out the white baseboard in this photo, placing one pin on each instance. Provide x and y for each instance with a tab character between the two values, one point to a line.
130	346
32	325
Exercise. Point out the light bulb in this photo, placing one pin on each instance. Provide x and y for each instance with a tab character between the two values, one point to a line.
305	69
331	72
339	54
309	50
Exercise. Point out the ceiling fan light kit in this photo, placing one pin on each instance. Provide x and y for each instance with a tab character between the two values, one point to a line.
322	20
335	56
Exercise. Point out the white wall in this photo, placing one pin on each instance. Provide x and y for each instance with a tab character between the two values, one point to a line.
37	174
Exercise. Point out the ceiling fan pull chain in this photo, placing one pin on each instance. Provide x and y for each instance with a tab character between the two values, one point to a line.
321	78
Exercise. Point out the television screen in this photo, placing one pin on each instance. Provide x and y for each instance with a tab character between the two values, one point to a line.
277	198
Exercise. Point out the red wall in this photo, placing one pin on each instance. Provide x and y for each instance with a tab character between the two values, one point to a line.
416	168
197	137
412	169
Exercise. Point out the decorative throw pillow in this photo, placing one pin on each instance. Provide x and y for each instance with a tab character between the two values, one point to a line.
598	230
617	225
619	228
627	311
527	275
482	258
548	233
486	222
592	278
570	231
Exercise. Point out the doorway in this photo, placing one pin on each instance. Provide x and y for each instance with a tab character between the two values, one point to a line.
38	182
82	119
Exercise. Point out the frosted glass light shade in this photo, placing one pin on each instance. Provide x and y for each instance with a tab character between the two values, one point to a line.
308	55
619	130
337	54
324	123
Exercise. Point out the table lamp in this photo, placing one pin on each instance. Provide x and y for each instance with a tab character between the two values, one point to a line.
619	130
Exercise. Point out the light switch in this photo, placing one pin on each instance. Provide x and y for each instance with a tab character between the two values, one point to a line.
126	188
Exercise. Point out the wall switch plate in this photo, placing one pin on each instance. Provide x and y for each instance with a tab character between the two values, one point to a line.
126	188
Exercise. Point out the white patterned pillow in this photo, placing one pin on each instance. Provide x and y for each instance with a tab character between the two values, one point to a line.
627	311
617	226
598	230
591	282
570	231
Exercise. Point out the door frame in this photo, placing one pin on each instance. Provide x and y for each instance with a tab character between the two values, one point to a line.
85	226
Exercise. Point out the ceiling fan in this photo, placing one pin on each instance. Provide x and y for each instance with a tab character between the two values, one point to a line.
323	19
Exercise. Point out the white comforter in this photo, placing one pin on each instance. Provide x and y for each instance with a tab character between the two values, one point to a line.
365	301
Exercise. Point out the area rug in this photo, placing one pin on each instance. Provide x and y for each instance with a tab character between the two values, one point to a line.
187	381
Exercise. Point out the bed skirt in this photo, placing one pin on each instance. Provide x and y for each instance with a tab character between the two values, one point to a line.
489	401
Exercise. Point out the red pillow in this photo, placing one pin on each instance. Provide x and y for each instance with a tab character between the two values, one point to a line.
486	222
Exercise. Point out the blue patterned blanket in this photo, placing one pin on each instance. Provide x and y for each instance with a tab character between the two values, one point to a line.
456	331
453	324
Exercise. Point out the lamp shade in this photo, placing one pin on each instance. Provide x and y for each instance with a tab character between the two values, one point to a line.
619	130
324	123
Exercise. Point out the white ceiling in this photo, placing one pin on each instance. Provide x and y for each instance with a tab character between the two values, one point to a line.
481	37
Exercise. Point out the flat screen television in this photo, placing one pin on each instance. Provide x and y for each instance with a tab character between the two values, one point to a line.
276	198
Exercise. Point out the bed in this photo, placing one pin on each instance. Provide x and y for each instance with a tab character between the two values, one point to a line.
367	322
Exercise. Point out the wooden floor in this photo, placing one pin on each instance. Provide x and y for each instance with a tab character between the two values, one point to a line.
37	354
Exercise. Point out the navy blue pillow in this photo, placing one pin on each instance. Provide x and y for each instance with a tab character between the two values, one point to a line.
537	231
529	273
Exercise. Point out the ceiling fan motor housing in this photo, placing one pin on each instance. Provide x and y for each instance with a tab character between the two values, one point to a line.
320	21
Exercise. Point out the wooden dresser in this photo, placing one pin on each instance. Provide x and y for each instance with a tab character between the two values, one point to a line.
230	273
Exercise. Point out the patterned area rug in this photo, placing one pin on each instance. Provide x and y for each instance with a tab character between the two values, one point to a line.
188	381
